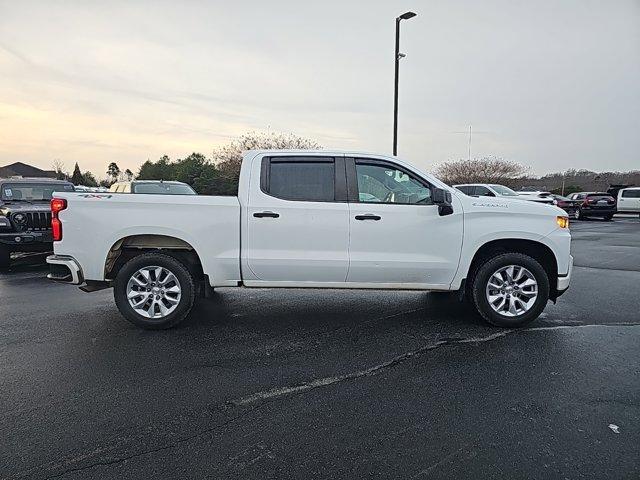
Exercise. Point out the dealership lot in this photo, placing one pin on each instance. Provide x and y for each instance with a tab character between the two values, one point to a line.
310	384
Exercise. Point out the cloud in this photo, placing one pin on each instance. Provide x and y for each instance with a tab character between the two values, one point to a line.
553	84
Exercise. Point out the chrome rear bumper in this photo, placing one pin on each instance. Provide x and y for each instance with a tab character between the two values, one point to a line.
64	268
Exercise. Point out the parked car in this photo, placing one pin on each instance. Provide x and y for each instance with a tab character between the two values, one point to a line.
594	204
314	219
568	205
629	200
25	215
485	190
493	190
538	196
156	187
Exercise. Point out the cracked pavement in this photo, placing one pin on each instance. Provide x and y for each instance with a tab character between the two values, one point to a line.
327	384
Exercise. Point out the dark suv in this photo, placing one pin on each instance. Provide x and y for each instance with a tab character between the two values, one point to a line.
594	204
25	215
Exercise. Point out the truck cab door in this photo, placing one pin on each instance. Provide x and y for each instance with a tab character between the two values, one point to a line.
398	235
297	221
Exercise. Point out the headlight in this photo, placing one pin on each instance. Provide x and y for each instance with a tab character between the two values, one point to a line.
4	222
563	222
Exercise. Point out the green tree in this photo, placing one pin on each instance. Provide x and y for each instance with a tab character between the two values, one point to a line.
89	180
163	169
76	177
220	175
113	171
129	174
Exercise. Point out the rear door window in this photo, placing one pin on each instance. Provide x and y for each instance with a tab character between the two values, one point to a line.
310	179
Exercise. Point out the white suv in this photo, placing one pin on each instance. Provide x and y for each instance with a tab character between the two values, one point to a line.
493	190
629	200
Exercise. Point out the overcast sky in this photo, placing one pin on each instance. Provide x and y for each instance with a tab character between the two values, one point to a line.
551	84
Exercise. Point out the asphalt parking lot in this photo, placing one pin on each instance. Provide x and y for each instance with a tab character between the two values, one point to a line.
327	384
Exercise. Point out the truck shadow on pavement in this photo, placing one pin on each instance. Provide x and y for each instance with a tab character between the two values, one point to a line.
27	262
296	310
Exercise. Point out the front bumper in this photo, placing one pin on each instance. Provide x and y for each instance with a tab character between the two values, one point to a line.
26	241
565	280
65	269
597	212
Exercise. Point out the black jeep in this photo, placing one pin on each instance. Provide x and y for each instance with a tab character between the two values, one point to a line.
25	215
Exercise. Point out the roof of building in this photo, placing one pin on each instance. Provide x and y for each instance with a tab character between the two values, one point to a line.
19	169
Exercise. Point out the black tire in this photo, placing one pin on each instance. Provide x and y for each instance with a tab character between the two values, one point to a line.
575	215
482	276
5	258
608	218
174	266
581	215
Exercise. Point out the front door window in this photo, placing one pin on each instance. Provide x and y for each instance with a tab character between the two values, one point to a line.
386	184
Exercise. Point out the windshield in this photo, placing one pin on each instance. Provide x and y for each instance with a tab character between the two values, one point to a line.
162	188
33	192
504	191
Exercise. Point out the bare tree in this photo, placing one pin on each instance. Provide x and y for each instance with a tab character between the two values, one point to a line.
58	167
229	157
483	170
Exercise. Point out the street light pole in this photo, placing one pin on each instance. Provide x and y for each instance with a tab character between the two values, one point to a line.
398	56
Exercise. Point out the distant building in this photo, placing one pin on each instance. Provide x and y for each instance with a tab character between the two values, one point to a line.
20	169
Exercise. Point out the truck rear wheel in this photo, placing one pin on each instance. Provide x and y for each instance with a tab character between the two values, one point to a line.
154	291
510	290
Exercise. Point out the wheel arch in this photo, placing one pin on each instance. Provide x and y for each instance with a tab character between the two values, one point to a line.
131	246
537	250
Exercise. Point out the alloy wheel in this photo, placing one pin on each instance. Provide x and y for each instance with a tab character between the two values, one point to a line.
153	292
512	290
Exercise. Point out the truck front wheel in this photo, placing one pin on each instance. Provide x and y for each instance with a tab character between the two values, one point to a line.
510	290
154	291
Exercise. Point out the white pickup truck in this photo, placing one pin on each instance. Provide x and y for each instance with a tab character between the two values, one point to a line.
314	219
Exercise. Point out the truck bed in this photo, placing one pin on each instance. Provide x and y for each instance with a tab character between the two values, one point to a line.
93	223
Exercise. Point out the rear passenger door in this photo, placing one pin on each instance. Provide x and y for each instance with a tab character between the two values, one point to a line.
297	221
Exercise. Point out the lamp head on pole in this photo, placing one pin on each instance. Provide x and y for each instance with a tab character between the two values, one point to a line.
407	16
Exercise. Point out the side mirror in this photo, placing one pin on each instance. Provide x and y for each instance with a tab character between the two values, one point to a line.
442	198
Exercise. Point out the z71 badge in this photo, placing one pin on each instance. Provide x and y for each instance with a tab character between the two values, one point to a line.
95	195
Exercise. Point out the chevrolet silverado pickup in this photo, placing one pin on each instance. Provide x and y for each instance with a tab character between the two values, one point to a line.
313	219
